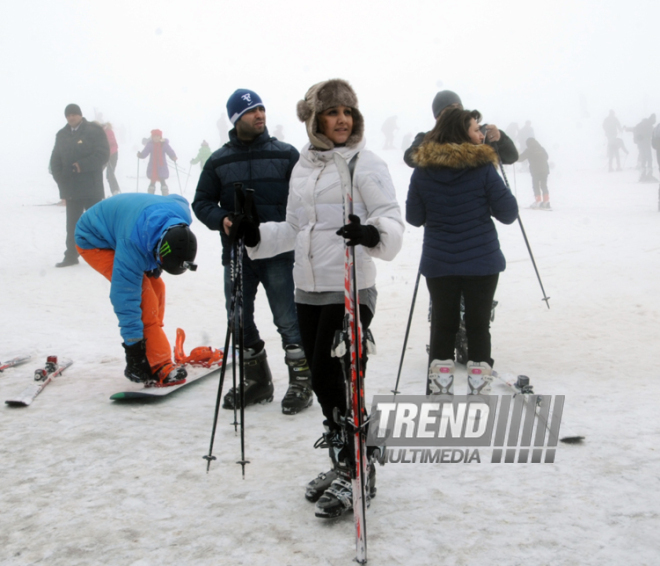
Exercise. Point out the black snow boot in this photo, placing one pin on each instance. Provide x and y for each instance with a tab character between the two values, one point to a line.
258	380
299	396
137	365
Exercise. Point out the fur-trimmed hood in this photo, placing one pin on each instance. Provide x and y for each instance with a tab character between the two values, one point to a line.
455	155
320	97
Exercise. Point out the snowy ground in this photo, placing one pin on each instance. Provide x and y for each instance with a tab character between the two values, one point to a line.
88	481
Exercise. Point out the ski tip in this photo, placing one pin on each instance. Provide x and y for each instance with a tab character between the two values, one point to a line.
118	396
572	439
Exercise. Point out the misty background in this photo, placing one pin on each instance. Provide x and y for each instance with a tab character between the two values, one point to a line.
172	65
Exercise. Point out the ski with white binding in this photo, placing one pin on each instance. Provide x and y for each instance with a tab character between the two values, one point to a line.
42	377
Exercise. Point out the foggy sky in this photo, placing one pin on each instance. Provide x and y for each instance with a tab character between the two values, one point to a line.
172	65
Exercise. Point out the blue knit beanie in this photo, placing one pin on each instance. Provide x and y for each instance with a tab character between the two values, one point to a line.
240	102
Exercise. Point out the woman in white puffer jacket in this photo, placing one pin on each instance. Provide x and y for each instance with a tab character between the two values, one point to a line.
314	218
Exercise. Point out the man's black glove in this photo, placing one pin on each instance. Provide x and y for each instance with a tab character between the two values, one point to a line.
356	233
138	368
246	225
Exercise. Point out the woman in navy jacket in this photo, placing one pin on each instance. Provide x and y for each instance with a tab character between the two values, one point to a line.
455	191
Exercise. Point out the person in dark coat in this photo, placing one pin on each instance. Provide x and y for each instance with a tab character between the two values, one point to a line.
539	169
79	156
264	164
454	192
497	139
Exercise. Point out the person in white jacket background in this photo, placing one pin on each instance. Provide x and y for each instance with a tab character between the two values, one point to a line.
314	228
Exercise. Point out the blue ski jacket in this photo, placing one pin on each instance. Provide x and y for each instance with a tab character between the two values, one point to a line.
454	193
131	225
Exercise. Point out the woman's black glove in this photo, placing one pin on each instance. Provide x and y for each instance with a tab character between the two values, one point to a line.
356	233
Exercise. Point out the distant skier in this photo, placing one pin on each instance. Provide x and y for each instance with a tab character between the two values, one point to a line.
389	128
655	143
114	157
496	138
642	136
202	155
279	132
539	168
157	170
129	239
612	129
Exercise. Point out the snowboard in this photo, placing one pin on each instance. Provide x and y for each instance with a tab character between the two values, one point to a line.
139	391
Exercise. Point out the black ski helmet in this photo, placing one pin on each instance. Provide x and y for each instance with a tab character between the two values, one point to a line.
177	249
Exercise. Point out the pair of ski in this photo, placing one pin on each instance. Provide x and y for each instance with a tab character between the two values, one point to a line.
349	345
42	377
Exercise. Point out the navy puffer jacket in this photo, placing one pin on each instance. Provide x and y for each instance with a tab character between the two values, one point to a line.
454	191
264	165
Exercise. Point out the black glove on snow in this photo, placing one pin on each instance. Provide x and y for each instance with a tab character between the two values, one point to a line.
356	233
138	368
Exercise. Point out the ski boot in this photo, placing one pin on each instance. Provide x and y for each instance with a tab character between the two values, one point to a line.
258	383
151	189
164	189
441	377
338	498
320	483
480	374
299	396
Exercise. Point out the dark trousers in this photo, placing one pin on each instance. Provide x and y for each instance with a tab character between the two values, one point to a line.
74	210
110	173
276	276
318	324
540	184
478	293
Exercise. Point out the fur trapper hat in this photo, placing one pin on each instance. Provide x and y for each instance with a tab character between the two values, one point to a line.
320	97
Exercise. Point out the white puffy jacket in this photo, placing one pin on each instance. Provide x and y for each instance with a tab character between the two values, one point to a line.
315	213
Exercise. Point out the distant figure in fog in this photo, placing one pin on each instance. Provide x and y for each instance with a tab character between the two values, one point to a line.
524	134
405	143
80	153
157	170
512	131
655	143
388	128
642	136
539	168
202	155
279	132
222	130
114	157
612	129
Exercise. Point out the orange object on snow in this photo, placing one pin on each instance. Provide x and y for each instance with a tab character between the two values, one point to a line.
203	356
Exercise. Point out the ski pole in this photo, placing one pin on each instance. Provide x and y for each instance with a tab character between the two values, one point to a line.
137	179
176	167
188	179
405	340
529	249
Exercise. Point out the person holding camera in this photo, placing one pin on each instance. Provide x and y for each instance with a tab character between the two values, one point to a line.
493	136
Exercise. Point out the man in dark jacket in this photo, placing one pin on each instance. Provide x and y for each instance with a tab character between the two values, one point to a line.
80	153
264	164
494	137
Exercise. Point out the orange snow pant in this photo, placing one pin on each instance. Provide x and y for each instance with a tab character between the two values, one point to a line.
152	306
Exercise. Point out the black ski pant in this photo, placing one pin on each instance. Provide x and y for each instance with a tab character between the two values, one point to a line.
478	293
318	324
110	173
74	210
